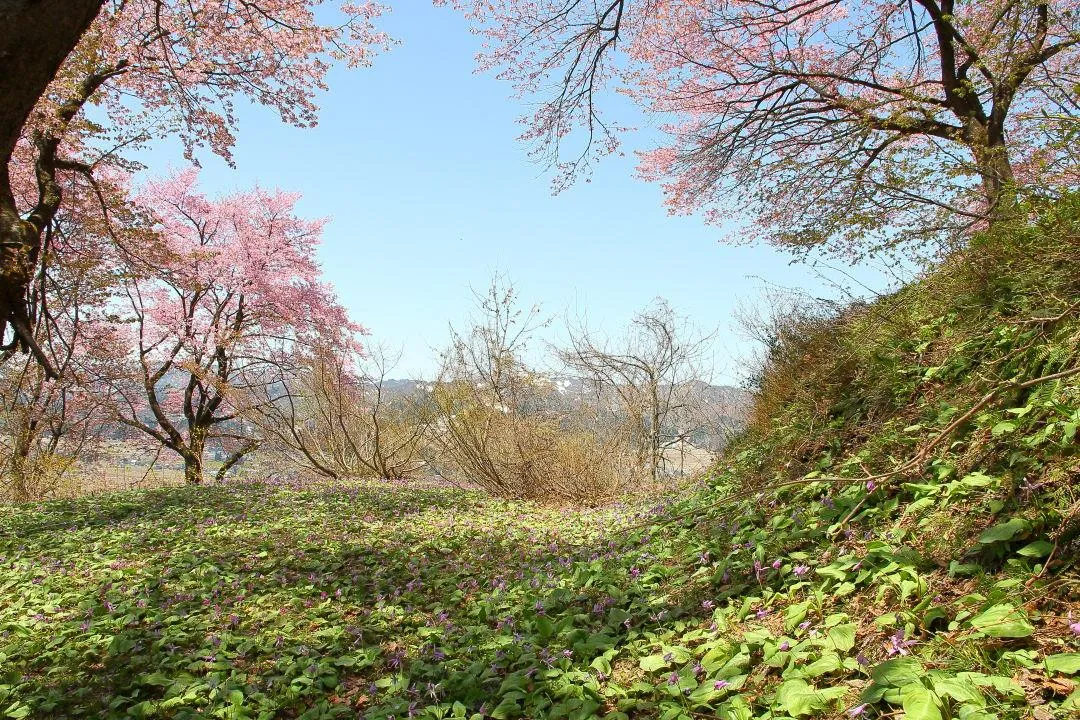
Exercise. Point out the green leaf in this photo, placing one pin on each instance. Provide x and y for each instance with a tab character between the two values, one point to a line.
1003	621
795	614
933	614
956	568
736	709
897	672
506	709
1024	658
827	663
1004	531
1002	428
678	652
544	627
798	697
1037	549
842	637
1064	663
1004	685
919	703
652	663
959	689
976	479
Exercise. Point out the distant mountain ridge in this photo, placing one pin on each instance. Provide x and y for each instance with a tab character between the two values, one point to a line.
724	405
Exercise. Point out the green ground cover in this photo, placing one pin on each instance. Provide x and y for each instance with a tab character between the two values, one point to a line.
374	601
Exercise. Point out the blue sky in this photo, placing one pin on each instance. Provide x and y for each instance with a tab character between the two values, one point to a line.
416	162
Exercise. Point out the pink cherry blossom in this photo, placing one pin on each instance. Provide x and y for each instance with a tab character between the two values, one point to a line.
161	68
228	296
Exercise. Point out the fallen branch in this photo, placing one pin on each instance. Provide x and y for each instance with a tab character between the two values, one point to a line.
1056	318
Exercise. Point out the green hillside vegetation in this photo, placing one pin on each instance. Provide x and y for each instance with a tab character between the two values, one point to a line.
895	535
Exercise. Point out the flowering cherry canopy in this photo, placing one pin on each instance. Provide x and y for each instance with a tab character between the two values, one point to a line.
830	121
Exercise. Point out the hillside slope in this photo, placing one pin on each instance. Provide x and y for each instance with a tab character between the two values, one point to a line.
894	536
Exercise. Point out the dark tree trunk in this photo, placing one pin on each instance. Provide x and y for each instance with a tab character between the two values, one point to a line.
193	469
35	37
20	244
21	469
988	144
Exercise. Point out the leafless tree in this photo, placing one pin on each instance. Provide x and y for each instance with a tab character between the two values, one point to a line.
655	371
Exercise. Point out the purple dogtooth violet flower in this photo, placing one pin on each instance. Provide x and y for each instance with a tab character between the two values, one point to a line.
897	644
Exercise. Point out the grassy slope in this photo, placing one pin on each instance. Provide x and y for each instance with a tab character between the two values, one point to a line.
923	593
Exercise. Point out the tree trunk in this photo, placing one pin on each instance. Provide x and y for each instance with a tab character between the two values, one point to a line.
193	458
994	167
654	434
230	461
26	479
35	37
20	244
21	473
193	470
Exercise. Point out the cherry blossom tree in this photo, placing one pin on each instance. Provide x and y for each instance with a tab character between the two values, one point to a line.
232	292
856	126
154	68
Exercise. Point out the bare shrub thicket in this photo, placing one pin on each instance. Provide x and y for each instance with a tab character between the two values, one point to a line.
789	329
500	425
334	415
45	426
